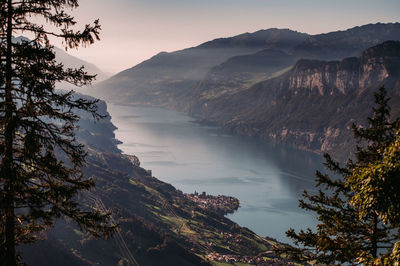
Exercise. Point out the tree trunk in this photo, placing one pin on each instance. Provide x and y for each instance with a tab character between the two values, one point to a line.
374	237
8	173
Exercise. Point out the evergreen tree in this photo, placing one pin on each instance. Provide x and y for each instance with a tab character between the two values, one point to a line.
343	233
376	190
41	161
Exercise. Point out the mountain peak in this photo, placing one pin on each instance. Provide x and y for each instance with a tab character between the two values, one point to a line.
267	38
351	42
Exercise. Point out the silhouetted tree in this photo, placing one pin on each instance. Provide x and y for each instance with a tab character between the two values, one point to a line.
40	167
349	231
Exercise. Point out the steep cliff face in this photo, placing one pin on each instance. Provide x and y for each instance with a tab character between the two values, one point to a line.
342	76
314	104
375	65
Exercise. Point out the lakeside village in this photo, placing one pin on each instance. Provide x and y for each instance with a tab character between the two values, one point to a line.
224	205
219	204
267	259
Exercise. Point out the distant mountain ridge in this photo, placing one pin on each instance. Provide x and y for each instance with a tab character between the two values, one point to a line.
282	39
340	44
71	61
167	78
75	62
193	80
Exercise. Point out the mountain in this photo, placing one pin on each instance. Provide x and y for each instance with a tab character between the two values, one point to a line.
313	105
240	73
351	42
167	78
159	225
231	64
70	61
74	62
206	87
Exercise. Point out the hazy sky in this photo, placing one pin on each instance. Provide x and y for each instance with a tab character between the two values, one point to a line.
135	30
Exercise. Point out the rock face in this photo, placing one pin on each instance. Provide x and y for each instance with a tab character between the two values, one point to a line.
314	104
342	76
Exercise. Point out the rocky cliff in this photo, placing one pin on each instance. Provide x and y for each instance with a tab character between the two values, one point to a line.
313	105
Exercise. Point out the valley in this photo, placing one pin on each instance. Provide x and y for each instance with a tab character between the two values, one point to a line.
158	224
241	83
255	102
199	133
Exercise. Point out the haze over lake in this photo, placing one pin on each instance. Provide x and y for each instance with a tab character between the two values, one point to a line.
267	179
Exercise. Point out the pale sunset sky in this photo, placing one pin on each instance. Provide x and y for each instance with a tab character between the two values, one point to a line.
135	30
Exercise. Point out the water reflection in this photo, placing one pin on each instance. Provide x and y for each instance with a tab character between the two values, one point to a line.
268	179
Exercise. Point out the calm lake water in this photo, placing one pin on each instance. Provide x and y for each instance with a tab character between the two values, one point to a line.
267	179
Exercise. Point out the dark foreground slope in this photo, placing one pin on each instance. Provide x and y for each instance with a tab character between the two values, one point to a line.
159	225
313	105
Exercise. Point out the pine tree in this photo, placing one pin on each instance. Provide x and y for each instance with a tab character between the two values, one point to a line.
343	235
380	134
376	191
41	161
376	185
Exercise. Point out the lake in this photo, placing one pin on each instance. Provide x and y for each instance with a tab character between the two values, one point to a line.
267	179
